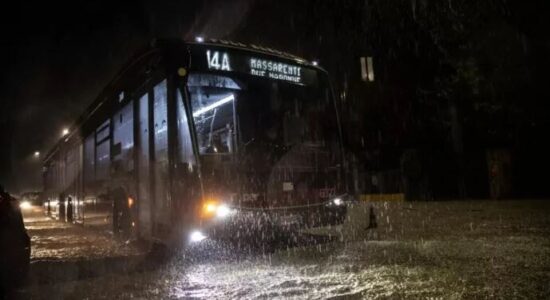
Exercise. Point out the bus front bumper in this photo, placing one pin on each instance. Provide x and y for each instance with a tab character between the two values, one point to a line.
265	224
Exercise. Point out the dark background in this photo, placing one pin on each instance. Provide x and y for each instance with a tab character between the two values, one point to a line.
454	78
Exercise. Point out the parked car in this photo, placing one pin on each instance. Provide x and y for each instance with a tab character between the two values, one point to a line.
15	250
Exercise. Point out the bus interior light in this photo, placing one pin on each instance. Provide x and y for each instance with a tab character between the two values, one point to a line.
214	105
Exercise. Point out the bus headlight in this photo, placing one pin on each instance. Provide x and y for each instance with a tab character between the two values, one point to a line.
210	208
219	210
223	211
196	236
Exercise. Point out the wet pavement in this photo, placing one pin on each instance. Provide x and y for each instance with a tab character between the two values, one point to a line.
447	250
55	240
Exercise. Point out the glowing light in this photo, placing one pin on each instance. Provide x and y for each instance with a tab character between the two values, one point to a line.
196	236
223	211
65	131
36	153
210	207
214	105
213	59
199	39
315	63
25	205
367	69
275	70
182	72
130	201
215	209
337	201
371	69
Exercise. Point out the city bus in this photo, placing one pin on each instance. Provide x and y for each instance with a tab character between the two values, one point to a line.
196	140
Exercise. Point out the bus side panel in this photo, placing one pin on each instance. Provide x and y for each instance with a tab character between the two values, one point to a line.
144	169
163	207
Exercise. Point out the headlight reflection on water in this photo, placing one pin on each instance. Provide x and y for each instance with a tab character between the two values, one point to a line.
257	279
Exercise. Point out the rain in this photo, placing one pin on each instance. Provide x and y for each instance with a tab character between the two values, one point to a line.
247	149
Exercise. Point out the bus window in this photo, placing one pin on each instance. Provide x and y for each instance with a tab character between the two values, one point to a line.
71	164
103	161
123	136
185	146
144	192
160	126
102	132
102	152
160	122
89	161
213	101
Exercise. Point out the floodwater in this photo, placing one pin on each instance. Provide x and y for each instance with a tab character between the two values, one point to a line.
55	240
439	250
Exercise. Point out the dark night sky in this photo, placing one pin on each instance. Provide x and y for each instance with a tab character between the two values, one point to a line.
57	56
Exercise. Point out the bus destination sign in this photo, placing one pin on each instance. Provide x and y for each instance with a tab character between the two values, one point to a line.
275	70
256	66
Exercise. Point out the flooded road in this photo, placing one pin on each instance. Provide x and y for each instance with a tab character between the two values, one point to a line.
448	250
55	240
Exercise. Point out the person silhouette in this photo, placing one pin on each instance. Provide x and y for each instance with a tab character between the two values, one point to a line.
69	209
217	145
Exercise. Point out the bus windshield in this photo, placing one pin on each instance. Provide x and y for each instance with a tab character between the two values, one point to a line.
232	112
272	130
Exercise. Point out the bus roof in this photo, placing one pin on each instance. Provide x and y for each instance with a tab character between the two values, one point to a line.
161	46
252	47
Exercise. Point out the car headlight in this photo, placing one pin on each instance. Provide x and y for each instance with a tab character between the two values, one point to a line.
25	205
337	201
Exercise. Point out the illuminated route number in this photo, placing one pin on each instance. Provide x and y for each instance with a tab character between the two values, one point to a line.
217	60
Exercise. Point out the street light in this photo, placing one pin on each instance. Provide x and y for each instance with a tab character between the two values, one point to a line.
36	154
65	131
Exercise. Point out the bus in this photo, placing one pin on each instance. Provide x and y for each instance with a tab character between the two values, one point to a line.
195	140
